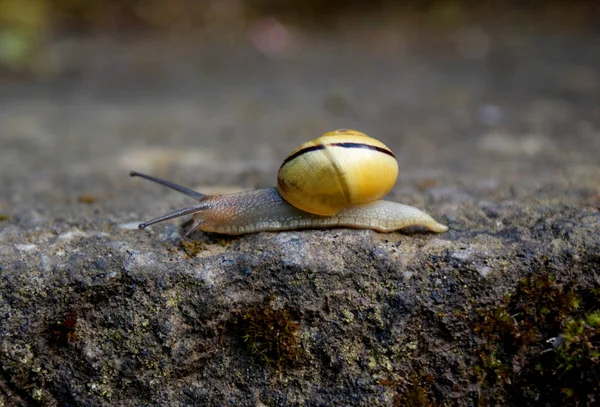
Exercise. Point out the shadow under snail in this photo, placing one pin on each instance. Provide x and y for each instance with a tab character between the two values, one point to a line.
336	180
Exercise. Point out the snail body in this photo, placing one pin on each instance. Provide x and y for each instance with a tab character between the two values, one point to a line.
353	203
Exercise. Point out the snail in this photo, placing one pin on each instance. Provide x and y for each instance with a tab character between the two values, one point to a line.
336	180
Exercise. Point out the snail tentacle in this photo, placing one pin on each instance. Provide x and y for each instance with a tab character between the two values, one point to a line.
176	214
184	190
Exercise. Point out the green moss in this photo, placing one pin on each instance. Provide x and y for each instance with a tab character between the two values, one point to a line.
37	394
578	356
347	316
516	357
270	334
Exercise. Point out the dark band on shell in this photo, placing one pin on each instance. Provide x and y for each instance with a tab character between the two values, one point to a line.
342	145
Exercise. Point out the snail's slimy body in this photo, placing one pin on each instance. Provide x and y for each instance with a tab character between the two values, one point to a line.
265	210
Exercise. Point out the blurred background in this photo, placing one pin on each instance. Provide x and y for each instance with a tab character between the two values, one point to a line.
36	35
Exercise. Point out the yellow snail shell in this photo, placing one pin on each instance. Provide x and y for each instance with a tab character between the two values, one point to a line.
338	169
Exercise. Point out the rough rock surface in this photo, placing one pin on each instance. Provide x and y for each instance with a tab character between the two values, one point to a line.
502	145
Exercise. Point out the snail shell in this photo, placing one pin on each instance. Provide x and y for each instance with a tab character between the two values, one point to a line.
340	168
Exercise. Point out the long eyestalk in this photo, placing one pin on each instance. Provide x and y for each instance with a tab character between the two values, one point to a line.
176	214
169	184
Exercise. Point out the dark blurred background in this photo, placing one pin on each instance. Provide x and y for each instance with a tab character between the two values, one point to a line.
33	32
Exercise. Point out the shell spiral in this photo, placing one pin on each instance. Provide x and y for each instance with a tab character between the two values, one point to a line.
340	168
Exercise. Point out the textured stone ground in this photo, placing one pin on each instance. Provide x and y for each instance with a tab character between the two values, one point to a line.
497	136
